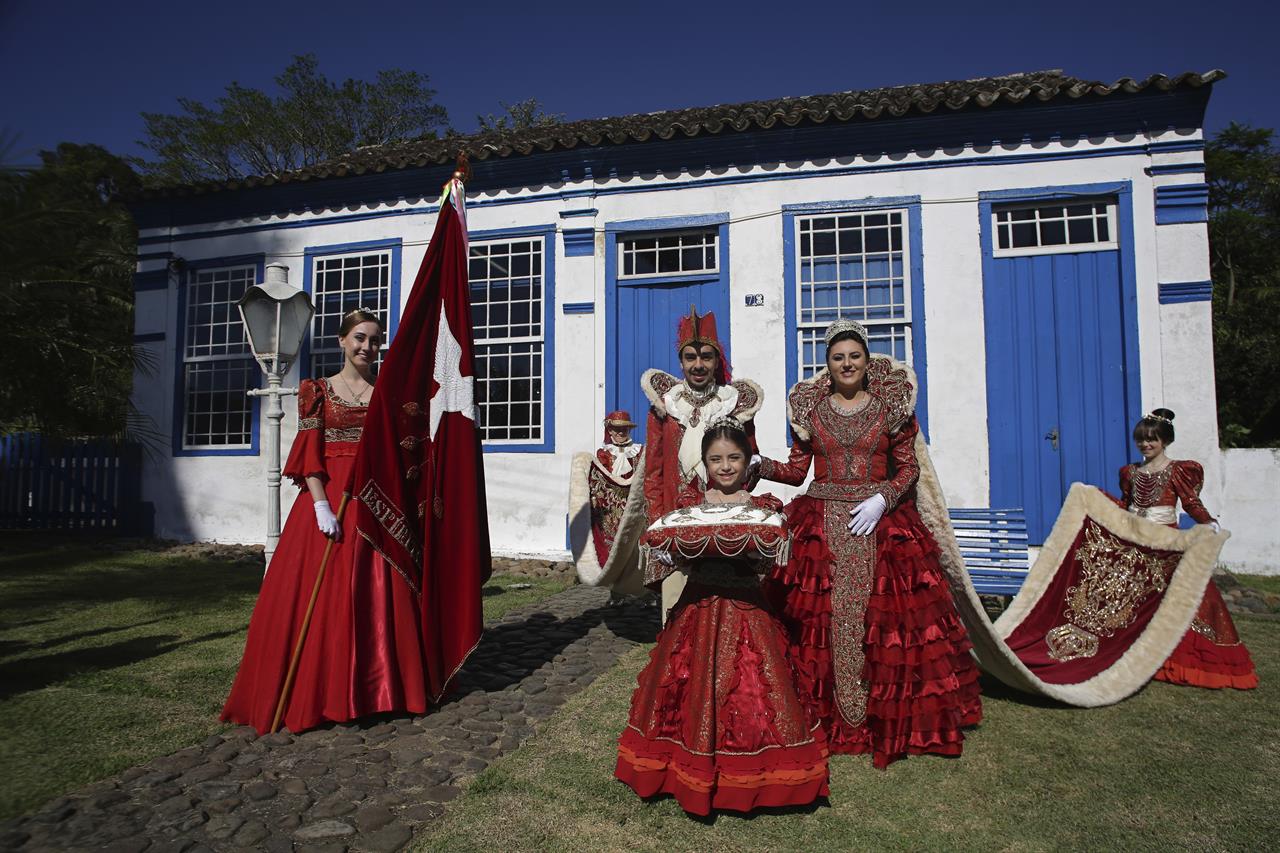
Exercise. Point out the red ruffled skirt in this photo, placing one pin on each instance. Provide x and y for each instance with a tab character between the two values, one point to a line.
364	653
715	720
1212	656
922	682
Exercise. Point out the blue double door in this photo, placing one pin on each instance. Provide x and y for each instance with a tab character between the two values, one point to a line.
1058	395
641	333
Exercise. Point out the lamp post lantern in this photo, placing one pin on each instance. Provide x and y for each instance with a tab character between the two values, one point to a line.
276	317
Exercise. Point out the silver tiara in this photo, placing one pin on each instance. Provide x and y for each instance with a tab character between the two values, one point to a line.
839	327
1152	416
728	422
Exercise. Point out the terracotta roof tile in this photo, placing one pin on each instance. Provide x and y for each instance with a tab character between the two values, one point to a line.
864	104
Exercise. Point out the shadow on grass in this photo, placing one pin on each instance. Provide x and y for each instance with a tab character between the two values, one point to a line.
994	688
82	574
27	674
12	647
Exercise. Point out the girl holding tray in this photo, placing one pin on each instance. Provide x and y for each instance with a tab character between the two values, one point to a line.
716	720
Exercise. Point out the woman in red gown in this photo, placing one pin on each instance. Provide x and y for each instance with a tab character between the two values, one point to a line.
1210	654
363	653
715	720
880	652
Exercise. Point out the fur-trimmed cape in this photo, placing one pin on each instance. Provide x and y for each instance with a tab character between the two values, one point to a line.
1196	549
746	396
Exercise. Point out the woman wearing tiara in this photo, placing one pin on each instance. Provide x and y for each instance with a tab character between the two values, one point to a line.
363	653
1210	654
715	720
880	652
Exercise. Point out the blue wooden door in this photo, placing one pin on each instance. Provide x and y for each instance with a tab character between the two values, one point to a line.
1057	399
642	334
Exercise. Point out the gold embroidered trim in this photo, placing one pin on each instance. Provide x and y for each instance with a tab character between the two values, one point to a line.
855	493
1115	579
392	520
308	423
852	572
1204	629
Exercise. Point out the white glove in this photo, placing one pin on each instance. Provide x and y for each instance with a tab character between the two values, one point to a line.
864	517
326	520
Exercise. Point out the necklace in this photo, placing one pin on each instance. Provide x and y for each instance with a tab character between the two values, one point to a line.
355	398
697	400
1149	487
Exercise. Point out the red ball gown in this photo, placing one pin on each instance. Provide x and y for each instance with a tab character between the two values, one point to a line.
715	720
880	652
364	652
1210	654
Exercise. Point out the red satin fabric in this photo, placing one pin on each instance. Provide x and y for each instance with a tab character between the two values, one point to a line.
418	485
715	720
364	653
923	682
1200	661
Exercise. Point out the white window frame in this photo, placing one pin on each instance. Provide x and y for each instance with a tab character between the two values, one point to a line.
708	241
484	345
323	343
243	357
873	325
1061	249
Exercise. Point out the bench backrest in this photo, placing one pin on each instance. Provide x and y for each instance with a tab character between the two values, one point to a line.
993	543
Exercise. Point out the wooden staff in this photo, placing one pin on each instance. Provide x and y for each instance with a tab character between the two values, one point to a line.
306	621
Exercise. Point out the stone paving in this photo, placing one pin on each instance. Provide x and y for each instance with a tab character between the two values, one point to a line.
365	786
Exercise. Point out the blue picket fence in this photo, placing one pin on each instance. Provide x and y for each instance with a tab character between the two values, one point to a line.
71	485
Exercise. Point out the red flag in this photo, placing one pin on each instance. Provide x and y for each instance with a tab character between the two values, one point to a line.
418	481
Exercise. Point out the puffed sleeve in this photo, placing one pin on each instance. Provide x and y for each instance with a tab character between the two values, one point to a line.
1187	479
1126	487
902	457
795	469
306	457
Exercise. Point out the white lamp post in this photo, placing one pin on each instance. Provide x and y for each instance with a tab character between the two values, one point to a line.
276	317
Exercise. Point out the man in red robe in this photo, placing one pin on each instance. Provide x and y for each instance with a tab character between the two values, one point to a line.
679	413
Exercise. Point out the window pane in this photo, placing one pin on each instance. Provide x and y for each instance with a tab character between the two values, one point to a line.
509	346
858	272
344	283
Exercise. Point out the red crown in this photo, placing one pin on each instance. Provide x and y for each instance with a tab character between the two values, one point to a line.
695	329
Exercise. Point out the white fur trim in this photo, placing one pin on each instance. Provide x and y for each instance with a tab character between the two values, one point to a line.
1199	546
651	382
621	571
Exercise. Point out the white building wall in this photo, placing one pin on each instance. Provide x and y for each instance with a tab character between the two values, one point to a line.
1249	481
223	498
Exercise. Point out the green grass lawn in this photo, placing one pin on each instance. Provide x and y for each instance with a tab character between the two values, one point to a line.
1262	583
109	658
1172	768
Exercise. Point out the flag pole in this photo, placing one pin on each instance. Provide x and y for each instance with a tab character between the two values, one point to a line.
306	621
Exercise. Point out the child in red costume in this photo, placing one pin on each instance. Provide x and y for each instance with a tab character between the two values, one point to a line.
716	720
1210	653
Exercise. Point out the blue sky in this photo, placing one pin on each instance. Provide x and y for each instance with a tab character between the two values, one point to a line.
83	71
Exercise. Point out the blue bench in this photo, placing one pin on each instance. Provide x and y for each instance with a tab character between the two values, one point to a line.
993	543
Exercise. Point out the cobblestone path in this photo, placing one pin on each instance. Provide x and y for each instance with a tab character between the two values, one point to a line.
362	787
